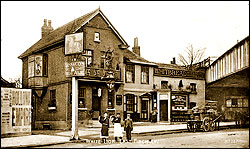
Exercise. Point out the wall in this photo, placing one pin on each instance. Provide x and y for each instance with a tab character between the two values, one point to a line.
137	85
25	72
199	98
59	115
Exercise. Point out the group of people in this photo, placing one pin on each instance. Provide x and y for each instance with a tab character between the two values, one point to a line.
116	120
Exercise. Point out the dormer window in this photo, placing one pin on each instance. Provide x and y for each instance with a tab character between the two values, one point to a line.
97	37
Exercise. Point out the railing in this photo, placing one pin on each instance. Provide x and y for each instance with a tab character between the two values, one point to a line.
232	61
101	72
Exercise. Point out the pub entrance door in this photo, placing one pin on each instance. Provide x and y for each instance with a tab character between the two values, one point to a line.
96	104
144	108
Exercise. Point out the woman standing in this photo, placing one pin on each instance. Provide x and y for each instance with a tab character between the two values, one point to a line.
105	127
117	127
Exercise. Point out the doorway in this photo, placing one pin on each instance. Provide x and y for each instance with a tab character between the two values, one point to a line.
96	104
144	109
163	110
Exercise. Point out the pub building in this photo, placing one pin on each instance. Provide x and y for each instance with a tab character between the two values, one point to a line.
108	76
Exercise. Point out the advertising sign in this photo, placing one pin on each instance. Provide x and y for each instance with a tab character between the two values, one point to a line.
74	68
74	43
15	110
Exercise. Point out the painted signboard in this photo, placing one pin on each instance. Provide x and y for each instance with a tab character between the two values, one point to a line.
73	43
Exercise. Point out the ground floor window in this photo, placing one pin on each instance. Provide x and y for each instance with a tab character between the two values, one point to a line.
130	102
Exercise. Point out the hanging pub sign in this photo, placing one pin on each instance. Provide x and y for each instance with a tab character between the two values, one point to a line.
74	68
73	43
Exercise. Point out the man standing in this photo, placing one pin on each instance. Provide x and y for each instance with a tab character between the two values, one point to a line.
105	127
128	127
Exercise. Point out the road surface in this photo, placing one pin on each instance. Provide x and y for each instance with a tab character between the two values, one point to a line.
227	138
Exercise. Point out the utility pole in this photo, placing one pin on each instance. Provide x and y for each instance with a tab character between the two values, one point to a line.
74	109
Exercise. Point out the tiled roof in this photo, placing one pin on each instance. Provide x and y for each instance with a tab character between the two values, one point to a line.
58	34
133	56
174	66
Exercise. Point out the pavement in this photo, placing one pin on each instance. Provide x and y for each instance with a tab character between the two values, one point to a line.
52	137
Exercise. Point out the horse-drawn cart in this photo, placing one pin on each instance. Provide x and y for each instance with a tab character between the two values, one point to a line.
202	119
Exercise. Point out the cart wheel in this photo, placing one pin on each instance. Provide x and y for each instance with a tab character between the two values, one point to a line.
205	124
212	126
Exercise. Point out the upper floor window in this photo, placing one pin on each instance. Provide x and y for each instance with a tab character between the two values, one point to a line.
89	57
144	74
45	65
97	37
102	63
164	84
130	73
193	87
38	65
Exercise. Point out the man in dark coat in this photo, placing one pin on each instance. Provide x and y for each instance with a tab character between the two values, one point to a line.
128	127
105	127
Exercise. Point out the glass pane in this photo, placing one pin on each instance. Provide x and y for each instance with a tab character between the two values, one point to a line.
239	102
245	102
234	102
229	102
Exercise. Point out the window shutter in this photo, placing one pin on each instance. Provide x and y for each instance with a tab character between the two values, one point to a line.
135	105
124	103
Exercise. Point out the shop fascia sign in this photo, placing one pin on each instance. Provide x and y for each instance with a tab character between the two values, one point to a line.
179	73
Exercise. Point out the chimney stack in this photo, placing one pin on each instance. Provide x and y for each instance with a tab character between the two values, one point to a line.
136	48
46	29
173	61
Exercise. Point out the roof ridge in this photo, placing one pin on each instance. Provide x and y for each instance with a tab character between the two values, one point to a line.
75	19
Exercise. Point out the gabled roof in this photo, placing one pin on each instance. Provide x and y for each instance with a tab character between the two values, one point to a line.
58	34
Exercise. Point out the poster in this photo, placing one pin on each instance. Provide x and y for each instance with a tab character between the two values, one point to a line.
74	43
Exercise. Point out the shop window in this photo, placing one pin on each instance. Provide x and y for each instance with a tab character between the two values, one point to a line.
164	84
52	102
130	103
97	37
130	73
81	98
144	74
193	87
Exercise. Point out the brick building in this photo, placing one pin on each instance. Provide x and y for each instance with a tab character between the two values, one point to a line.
136	87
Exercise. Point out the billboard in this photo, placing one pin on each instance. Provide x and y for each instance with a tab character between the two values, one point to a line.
73	43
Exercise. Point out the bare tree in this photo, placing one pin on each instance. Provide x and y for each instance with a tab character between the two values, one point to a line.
193	56
17	81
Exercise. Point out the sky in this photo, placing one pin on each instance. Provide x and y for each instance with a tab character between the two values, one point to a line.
163	28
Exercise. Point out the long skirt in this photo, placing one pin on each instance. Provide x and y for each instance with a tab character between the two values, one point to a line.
117	130
104	132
